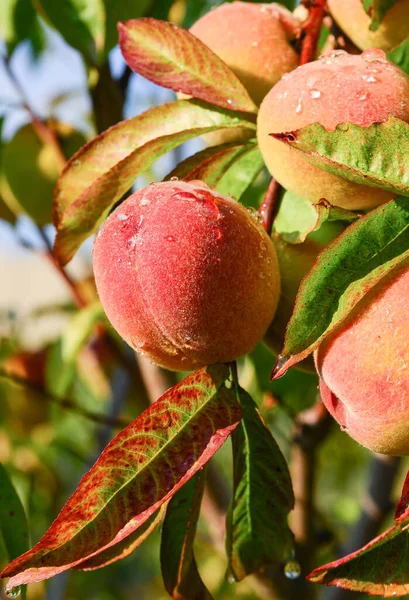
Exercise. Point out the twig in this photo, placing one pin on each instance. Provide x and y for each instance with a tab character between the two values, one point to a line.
64	403
376	504
312	29
268	208
44	132
312	426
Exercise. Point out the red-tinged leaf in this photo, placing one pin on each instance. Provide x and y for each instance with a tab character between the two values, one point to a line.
139	470
380	568
402	510
126	546
343	273
179	569
105	168
373	156
258	533
174	58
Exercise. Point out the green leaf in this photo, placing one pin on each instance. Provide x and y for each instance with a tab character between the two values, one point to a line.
139	470
80	22
380	568
13	523
179	569
105	168
209	165
60	370
374	156
263	496
343	273
377	9
297	218
229	168
241	173
174	58
17	20
126	546
400	56
121	10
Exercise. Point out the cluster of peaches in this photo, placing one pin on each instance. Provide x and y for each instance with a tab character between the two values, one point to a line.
189	277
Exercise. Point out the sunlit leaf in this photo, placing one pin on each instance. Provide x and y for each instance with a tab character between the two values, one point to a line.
343	273
373	156
179	569
263	496
297	218
104	169
140	469
174	58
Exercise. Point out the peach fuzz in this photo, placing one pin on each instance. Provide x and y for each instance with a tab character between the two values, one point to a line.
352	18
363	366
253	39
340	88
187	276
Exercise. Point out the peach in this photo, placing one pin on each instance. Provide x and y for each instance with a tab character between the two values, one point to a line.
187	276
363	366
352	18
339	88
253	39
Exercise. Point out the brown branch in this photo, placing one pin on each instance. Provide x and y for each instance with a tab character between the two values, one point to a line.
269	206
44	132
311	428
312	29
64	403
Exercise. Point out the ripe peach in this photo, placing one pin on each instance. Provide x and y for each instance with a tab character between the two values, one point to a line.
339	88
187	276
352	18
363	366
253	39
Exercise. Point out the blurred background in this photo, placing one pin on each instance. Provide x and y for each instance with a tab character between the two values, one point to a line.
67	386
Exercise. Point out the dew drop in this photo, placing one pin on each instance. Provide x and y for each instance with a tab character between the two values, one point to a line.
170	238
373	55
262	276
144	202
315	93
369	78
298	109
13	592
122	217
362	96
292	569
343	428
174	178
343	127
282	359
229	101
230	578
